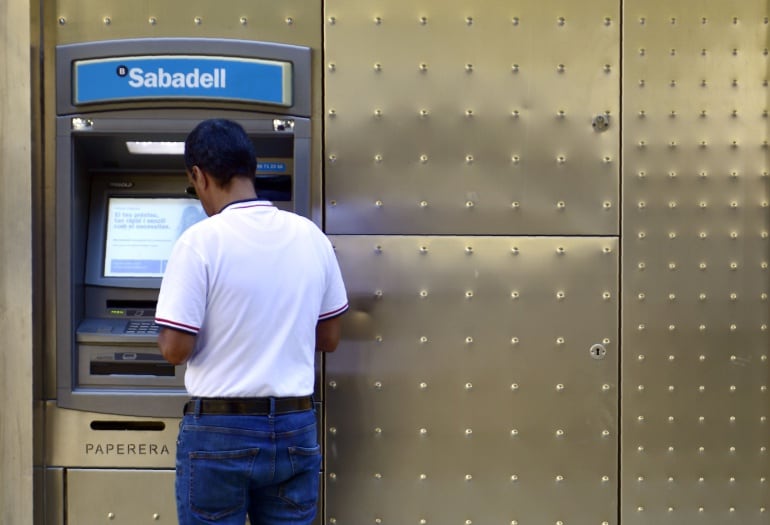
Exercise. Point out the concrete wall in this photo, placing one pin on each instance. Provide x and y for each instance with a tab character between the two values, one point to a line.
16	449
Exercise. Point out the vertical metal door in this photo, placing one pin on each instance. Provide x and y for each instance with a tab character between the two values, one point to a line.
472	193
695	271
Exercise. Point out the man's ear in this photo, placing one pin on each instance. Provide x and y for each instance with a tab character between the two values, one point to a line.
202	177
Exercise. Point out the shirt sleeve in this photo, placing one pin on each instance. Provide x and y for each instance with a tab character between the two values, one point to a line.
335	300
183	290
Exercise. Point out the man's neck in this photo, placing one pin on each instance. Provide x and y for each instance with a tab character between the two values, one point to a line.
239	189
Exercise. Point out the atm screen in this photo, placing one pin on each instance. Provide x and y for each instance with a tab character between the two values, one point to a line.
141	232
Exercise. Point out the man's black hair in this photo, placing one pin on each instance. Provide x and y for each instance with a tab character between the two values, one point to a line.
221	148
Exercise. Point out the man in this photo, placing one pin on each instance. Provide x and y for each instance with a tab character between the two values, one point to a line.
248	295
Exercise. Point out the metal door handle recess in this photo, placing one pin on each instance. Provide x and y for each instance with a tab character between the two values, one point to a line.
601	122
598	351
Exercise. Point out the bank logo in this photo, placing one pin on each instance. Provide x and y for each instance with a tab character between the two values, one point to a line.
182	77
215	78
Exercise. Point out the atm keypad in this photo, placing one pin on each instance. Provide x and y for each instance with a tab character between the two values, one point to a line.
142	327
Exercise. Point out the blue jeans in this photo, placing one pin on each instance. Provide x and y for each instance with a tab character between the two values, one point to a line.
228	466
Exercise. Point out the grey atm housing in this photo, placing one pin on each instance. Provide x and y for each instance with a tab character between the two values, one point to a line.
107	356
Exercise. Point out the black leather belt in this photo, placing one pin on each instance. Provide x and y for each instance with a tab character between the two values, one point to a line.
255	406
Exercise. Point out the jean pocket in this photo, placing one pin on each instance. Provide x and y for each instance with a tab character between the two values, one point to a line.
302	489
219	481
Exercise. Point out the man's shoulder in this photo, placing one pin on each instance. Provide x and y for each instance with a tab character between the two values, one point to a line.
300	220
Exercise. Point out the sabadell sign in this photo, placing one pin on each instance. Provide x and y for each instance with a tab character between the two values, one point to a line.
182	77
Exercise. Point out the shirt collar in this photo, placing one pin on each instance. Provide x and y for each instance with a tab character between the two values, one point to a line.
246	203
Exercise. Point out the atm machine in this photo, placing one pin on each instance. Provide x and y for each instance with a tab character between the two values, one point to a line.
124	109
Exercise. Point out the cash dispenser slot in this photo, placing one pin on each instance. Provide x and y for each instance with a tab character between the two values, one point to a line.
131	363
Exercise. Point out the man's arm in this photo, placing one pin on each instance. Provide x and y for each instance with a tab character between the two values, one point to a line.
327	334
176	346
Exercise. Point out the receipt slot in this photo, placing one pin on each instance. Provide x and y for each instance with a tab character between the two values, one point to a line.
123	112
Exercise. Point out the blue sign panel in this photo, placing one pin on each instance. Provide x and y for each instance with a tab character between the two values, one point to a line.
182	77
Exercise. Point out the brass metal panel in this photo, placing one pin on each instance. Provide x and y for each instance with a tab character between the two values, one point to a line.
288	21
85	439
49	501
471	117
695	270
120	496
45	151
465	388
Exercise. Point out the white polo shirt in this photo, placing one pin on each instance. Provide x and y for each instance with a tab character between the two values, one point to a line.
251	282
